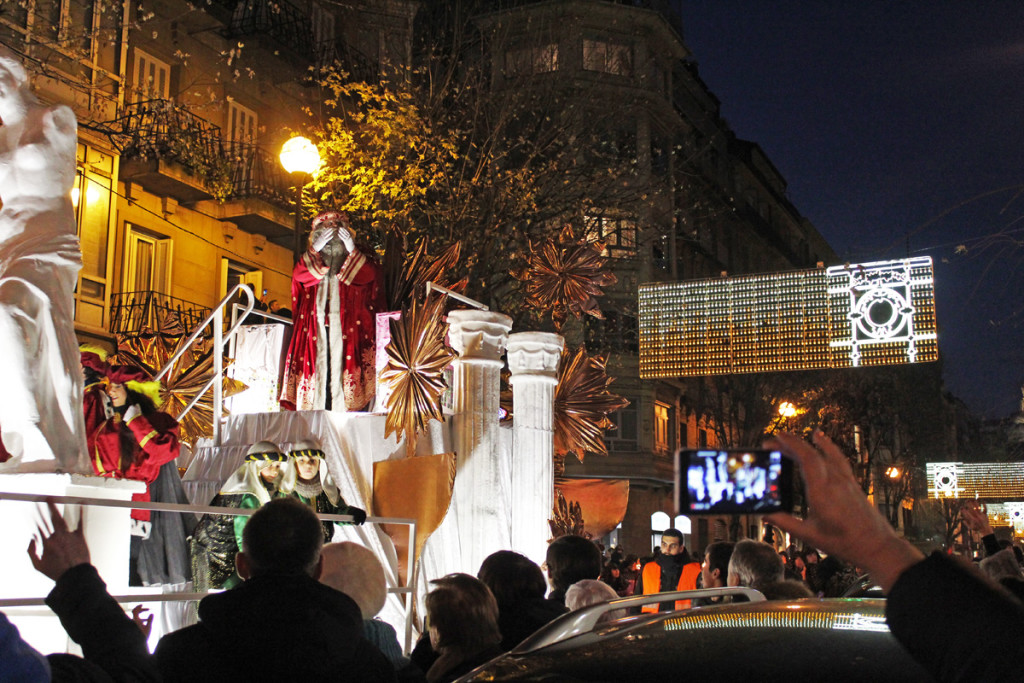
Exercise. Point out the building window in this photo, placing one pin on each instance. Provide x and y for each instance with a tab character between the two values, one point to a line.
531	60
623	436
662	432
147	261
151	78
242	123
323	34
607	57
618	234
91	199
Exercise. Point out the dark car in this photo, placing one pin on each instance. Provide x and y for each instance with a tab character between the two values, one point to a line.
801	640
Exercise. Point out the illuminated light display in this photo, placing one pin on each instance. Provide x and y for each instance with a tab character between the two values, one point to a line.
989	480
796	619
845	316
1007	514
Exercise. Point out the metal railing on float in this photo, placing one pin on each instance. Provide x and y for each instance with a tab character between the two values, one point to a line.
406	591
220	338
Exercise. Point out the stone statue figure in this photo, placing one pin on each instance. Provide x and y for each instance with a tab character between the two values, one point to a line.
41	423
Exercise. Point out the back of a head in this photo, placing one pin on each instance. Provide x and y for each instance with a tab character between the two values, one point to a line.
571	559
719	554
464	613
588	592
512	578
787	589
755	563
355	571
1002	565
283	537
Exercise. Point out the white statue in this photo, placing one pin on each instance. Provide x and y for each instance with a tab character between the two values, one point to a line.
41	421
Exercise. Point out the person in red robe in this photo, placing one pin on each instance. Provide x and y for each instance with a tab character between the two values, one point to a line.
128	438
337	290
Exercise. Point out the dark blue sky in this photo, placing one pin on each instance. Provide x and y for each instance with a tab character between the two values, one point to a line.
888	118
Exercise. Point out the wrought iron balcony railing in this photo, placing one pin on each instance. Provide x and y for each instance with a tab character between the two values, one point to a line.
160	129
278	19
134	312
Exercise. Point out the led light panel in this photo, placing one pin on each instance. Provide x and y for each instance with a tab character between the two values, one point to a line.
992	480
846	316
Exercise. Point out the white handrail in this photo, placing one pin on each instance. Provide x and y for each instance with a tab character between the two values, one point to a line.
217	317
407	591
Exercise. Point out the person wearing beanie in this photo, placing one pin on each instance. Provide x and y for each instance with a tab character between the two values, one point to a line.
218	538
312	484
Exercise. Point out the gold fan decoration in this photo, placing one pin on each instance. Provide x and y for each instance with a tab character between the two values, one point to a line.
152	349
564	276
568	518
582	404
405	277
417	357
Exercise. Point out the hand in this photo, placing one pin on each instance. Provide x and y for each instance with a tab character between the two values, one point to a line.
840	520
975	518
55	553
144	623
358	514
346	239
321	238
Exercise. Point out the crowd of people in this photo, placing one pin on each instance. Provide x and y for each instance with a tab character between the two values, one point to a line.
307	610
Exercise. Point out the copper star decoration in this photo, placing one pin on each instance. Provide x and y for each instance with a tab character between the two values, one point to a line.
583	403
152	349
406	275
417	357
565	276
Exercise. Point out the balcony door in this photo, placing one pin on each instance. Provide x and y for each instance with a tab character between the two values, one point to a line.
147	261
151	78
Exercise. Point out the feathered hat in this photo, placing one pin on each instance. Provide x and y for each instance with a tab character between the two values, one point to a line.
136	379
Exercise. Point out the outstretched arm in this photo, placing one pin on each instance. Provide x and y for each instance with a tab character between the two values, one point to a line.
840	519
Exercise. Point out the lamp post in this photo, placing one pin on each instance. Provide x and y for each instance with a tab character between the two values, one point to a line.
299	157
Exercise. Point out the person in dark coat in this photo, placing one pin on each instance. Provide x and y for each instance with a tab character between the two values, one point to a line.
518	586
114	648
280	623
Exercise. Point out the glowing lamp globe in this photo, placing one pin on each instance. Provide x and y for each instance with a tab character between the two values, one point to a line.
299	155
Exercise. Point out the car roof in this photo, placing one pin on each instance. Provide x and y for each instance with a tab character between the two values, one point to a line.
810	639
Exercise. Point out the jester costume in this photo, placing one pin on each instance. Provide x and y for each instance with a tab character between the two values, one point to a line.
334	331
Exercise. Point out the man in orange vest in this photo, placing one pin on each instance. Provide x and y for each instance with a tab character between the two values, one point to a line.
672	570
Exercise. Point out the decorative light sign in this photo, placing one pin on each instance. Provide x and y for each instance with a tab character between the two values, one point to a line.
998	480
1006	514
845	316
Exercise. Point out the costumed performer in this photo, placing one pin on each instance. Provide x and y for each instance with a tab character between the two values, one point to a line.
41	428
313	485
128	438
218	538
337	290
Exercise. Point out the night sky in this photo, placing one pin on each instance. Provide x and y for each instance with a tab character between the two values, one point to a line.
899	127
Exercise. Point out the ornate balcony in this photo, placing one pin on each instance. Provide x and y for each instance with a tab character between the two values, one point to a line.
133	312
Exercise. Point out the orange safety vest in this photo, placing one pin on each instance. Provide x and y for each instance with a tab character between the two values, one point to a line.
652	583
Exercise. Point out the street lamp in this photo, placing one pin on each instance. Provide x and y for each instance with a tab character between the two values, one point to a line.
787	409
893	472
299	157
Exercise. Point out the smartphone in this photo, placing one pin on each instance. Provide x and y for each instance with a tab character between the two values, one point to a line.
737	481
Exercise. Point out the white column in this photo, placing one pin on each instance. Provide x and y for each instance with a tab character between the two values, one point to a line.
481	494
533	358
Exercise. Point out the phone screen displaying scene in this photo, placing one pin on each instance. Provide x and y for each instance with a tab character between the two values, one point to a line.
734	481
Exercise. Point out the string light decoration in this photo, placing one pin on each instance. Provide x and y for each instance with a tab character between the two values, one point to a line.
990	480
880	313
1006	514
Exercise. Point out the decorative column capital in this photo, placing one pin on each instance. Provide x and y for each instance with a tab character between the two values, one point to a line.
479	335
535	354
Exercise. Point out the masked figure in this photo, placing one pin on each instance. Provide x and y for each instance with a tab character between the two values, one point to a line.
218	538
337	290
313	486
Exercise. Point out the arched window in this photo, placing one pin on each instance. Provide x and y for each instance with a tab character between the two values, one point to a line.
659	522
